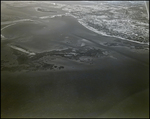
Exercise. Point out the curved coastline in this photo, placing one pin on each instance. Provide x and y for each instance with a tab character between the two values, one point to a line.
60	68
68	14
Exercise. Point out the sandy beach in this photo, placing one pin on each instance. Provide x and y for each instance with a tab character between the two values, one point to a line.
74	71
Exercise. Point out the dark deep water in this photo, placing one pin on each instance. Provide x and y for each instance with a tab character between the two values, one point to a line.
74	93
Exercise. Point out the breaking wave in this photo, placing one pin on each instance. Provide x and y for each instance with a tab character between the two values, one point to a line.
11	23
22	50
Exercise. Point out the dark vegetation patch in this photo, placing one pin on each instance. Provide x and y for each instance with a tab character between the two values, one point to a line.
45	10
61	67
37	62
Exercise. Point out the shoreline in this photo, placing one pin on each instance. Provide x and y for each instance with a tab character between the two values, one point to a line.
72	71
67	14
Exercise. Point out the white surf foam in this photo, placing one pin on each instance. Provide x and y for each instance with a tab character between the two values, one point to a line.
22	50
15	21
7	26
45	17
58	15
11	23
2	36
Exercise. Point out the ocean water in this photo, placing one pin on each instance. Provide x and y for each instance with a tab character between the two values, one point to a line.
126	20
123	19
